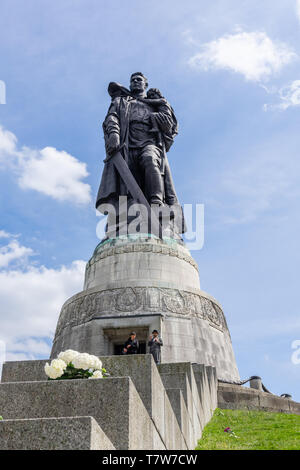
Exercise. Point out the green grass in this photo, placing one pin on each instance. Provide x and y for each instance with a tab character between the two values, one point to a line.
255	430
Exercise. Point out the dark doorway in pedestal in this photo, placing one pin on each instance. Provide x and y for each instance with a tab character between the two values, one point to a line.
118	348
117	336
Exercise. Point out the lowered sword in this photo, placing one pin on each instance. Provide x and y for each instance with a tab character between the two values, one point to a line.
137	194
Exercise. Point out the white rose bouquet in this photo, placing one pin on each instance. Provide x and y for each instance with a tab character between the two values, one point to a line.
74	365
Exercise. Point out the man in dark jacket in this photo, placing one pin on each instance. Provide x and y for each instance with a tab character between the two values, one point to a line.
131	346
155	343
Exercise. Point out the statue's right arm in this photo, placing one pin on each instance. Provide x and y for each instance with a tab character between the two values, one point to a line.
111	122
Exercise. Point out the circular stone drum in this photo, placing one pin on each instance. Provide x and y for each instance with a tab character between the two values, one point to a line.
140	283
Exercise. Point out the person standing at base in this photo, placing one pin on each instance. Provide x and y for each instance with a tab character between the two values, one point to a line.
131	346
155	343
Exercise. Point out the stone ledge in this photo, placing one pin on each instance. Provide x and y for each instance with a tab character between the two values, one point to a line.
24	371
179	252
237	397
71	433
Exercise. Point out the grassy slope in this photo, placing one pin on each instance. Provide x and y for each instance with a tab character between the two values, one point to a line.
255	430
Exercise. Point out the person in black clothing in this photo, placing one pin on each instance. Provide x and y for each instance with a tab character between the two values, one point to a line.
131	346
155	343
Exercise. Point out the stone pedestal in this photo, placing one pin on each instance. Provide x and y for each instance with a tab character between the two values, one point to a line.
140	283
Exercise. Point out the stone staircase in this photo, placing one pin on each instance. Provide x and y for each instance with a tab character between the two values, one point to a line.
141	406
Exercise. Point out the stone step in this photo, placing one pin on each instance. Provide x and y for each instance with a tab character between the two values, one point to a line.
181	383
177	401
207	386
113	402
203	390
211	373
140	368
197	383
72	433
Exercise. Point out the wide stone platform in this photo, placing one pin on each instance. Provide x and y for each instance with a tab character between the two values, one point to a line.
163	408
143	283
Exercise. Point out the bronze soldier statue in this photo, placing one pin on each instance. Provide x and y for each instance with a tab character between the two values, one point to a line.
143	130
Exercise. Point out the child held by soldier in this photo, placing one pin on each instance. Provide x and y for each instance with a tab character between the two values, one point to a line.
161	105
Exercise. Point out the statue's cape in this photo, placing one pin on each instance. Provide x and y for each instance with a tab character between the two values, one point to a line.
112	186
116	90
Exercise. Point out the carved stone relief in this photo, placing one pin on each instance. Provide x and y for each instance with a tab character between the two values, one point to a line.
139	300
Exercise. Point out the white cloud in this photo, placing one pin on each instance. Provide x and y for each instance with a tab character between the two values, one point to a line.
11	356
254	55
289	95
49	171
8	142
56	174
31	299
30	345
30	304
4	234
12	252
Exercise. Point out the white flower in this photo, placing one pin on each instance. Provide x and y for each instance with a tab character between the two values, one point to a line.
86	361
96	364
83	361
56	368
97	375
59	364
68	355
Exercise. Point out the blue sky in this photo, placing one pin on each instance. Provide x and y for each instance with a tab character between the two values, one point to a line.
231	71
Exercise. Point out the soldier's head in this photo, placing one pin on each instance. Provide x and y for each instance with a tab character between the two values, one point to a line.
132	335
155	333
138	82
